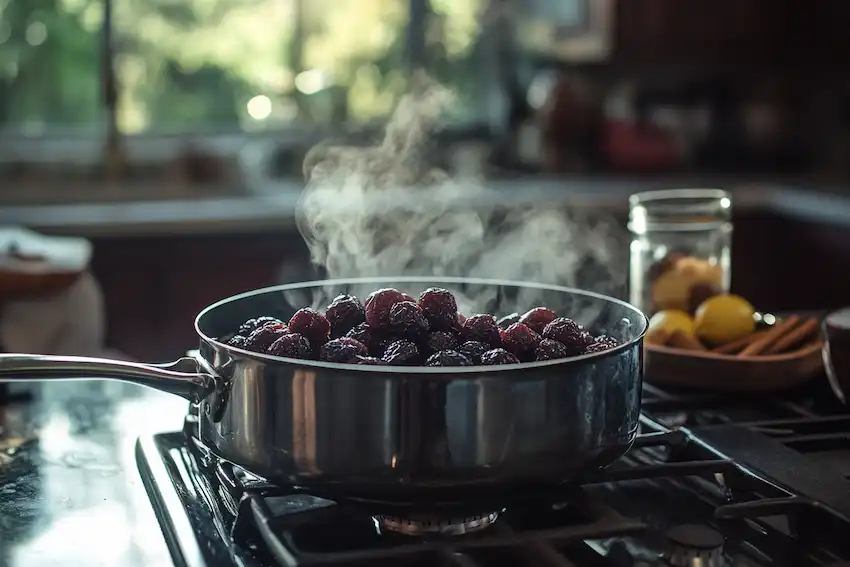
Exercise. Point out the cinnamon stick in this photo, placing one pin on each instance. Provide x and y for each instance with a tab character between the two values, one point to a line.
770	338
684	341
797	336
737	346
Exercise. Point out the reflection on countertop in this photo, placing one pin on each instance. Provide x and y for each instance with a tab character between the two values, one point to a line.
273	208
70	494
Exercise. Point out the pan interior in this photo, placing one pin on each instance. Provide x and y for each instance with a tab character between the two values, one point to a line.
598	313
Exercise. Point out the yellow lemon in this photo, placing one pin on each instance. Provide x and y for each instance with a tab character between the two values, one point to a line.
724	318
670	321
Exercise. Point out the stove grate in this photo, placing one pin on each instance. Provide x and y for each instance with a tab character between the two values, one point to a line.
261	524
276	532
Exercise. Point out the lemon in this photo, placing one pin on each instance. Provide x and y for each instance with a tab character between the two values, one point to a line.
670	321
724	318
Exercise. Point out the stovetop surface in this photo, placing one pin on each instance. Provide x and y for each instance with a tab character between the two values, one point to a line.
70	489
710	482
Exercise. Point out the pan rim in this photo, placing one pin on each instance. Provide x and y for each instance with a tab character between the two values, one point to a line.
422	370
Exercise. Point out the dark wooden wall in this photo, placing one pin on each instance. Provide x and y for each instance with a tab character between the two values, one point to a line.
154	287
782	263
787	34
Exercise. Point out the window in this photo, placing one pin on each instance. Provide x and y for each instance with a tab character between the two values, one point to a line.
49	64
227	65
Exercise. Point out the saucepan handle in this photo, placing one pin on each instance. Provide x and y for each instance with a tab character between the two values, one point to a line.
180	377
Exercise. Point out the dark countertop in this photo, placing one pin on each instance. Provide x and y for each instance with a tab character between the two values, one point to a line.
72	495
273	209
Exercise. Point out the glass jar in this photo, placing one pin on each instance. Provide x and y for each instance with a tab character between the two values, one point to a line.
680	248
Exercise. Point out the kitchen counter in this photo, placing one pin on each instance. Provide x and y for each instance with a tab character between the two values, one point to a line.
71	494
274	208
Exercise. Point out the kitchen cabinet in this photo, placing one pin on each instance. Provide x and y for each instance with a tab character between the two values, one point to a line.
155	286
818	39
781	263
699	32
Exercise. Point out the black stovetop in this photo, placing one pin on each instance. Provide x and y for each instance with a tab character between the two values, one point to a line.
710	482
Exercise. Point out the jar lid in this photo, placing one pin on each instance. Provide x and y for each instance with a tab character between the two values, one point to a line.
679	210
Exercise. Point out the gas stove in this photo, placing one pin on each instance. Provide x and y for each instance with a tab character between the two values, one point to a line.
709	483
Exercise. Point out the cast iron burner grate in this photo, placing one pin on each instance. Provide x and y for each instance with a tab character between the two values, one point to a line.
673	489
435	525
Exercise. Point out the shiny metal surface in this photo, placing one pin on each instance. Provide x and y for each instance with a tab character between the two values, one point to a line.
180	377
836	355
693	545
70	491
415	436
832	375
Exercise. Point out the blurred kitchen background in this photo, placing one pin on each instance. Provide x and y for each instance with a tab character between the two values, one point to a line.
170	133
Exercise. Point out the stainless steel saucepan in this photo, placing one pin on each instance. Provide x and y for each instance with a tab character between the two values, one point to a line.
398	435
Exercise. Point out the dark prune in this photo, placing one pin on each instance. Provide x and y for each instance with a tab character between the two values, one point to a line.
508	320
498	356
311	324
252	325
291	345
381	343
481	328
458	324
363	333
520	341
596	347
408	321
344	313
605	339
473	350
369	360
391	327
569	333
600	344
448	358
440	340
342	350
378	306
247	327
440	307
401	353
536	319
261	339
550	350
237	341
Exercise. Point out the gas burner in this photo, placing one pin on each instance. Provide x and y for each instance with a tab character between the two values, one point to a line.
694	546
232	518
424	526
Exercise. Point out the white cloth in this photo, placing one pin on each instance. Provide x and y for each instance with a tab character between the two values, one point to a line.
59	253
71	322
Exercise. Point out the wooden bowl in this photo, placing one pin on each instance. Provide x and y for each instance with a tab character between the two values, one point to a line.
709	371
15	286
33	266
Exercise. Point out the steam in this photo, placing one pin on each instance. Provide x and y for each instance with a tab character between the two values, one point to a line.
384	211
